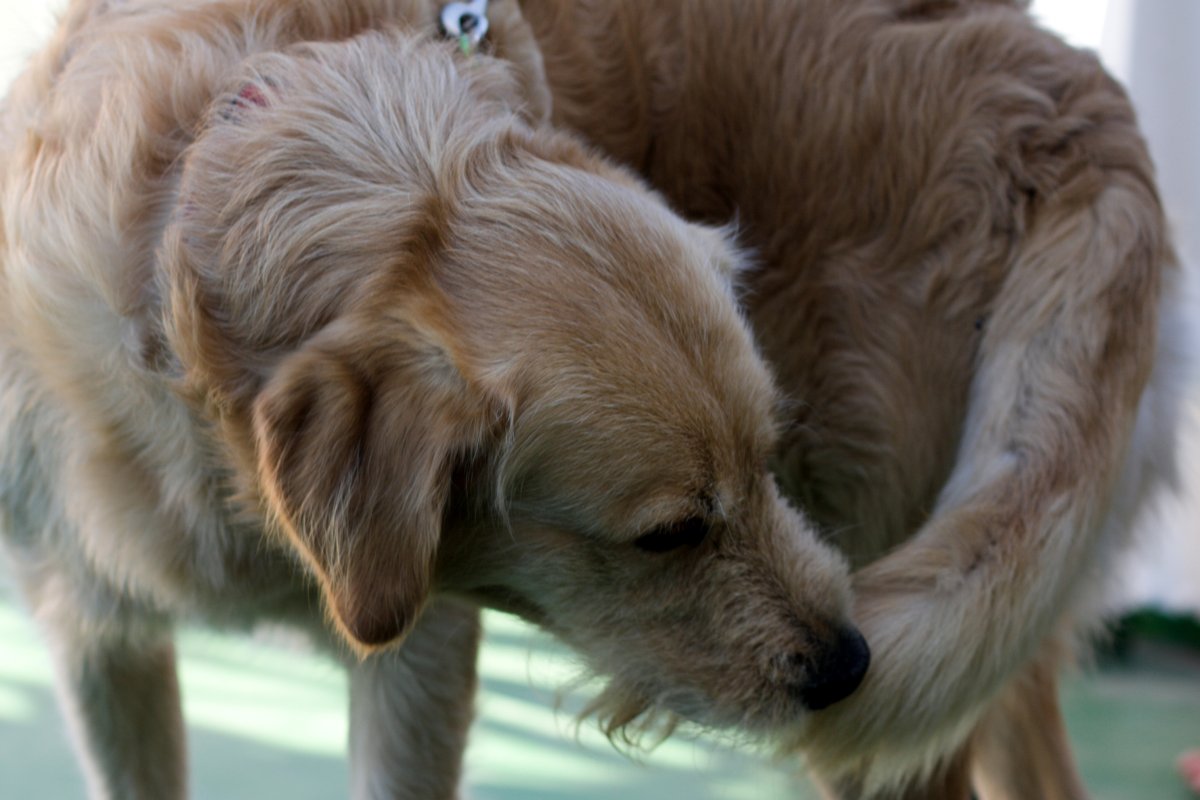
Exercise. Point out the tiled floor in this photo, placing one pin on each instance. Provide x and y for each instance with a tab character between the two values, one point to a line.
265	721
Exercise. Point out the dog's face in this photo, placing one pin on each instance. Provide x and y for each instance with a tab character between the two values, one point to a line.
628	507
510	374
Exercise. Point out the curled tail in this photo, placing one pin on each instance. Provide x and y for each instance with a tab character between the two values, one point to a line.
1025	522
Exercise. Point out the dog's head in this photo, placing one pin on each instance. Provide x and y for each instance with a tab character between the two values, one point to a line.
453	353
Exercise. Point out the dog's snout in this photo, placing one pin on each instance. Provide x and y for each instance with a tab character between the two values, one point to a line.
836	672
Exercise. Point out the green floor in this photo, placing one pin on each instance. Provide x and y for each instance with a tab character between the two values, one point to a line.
267	722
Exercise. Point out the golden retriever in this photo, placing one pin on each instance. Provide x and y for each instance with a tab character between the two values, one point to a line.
963	258
300	300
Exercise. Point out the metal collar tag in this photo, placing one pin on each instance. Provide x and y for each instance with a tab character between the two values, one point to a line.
466	23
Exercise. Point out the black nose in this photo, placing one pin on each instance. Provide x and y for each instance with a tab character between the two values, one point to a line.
836	672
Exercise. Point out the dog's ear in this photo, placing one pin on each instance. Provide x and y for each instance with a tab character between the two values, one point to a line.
357	435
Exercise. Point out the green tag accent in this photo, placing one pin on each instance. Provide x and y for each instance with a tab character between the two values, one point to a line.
464	44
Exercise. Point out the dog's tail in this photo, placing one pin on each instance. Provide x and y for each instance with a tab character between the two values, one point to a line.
1025	521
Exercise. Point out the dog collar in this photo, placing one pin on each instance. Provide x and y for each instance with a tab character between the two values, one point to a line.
465	22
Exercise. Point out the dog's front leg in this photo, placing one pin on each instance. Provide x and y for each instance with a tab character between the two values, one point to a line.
410	709
120	695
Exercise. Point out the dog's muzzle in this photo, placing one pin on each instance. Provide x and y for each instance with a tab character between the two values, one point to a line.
836	672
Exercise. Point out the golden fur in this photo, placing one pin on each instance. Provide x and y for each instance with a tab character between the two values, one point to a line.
963	258
297	300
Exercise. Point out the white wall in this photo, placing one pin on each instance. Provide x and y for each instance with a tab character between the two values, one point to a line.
24	24
1080	22
1154	47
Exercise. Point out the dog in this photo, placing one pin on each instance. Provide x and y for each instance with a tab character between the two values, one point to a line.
964	273
309	317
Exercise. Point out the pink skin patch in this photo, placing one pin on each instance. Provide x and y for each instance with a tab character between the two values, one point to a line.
250	93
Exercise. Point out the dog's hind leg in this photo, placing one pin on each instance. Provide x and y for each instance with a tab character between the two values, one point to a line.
410	709
951	780
1021	749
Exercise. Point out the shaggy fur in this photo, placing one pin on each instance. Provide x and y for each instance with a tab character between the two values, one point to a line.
297	301
963	261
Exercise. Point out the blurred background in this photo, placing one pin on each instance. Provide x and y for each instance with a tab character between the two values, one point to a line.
267	718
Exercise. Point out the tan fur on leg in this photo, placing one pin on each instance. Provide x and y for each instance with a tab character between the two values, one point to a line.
113	693
410	709
1021	750
950	780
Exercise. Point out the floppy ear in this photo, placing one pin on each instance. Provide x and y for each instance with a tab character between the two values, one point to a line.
357	434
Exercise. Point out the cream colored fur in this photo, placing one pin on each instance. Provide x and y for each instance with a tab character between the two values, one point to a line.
964	263
300	310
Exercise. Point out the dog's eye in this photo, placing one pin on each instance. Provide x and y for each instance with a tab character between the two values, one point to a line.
685	533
